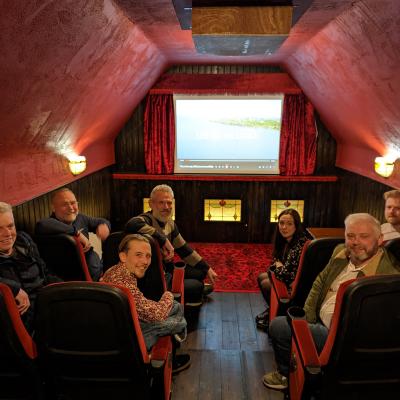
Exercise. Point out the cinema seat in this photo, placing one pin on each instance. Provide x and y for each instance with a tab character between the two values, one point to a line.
19	375
110	249
315	256
90	345
361	358
153	284
393	246
64	256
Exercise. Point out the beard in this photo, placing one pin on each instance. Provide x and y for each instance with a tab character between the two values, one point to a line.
162	217
70	218
394	220
358	257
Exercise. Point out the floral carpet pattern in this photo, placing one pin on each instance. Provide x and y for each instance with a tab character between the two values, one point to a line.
237	264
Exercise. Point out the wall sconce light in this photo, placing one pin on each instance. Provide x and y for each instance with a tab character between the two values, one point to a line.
384	166
77	164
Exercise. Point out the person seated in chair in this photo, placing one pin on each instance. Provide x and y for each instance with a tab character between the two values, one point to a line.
21	267
157	318
289	241
361	255
159	224
391	229
67	219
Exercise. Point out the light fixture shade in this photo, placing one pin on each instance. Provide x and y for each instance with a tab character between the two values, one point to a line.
384	167
77	164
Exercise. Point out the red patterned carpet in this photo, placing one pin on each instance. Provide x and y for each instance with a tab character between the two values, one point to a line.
237	264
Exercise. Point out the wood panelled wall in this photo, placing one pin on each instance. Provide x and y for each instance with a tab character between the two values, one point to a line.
326	203
92	192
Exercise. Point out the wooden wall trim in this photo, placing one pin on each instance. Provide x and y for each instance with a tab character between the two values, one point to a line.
225	178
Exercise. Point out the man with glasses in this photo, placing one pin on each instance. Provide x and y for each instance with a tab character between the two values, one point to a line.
67	219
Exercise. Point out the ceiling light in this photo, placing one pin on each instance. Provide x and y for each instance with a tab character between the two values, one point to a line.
77	164
384	166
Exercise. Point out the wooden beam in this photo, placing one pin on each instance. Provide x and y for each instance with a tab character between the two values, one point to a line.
242	20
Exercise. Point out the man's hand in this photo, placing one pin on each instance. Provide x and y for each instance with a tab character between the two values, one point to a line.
86	245
102	232
167	251
212	275
22	300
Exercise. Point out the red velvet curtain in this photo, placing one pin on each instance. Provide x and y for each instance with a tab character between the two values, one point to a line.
298	144
159	134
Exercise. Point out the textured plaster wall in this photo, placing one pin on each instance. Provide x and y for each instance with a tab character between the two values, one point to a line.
71	73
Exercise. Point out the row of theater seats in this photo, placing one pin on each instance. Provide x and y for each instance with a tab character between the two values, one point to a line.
87	342
64	255
315	256
361	357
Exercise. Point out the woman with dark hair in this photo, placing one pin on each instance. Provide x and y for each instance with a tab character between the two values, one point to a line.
289	240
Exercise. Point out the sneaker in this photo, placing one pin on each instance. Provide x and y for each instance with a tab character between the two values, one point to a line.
181	337
194	303
208	288
263	324
180	363
274	380
263	315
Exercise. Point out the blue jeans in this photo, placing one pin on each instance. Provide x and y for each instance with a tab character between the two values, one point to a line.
281	336
94	264
175	323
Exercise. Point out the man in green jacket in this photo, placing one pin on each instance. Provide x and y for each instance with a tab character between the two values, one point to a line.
361	255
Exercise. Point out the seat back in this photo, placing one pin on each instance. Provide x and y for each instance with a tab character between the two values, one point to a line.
361	356
393	246
365	353
152	285
315	256
90	344
314	260
64	256
110	249
19	377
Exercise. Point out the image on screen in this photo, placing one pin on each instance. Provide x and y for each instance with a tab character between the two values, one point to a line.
227	134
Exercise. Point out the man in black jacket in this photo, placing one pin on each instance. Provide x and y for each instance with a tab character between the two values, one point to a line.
21	267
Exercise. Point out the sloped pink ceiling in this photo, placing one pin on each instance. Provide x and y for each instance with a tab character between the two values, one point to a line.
351	72
71	74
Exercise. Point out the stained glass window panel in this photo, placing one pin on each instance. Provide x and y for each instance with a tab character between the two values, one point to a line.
222	210
277	206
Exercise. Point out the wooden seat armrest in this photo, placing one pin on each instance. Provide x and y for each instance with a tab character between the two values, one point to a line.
178	283
306	346
160	352
280	288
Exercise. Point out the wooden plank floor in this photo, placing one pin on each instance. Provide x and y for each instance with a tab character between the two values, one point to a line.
229	355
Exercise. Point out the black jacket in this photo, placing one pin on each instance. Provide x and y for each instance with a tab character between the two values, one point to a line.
24	269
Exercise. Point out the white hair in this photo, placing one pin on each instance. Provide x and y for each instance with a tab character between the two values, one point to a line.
5	207
354	218
161	188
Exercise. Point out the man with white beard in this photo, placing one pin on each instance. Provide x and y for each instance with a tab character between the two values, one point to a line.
159	224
